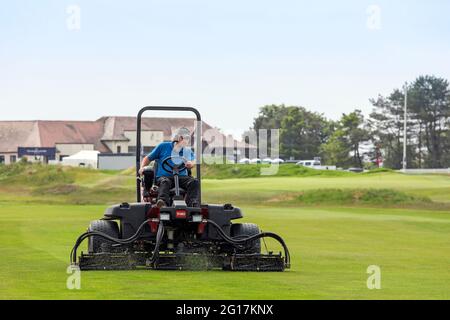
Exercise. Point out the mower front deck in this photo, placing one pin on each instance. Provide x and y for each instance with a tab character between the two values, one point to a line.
183	261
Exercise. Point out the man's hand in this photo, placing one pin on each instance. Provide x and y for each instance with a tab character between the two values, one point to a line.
189	164
145	162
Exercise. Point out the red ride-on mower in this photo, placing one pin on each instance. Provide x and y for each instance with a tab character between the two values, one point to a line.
176	237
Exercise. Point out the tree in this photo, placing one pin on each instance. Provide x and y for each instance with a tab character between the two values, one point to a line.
269	117
355	132
386	124
429	103
301	131
343	147
335	151
427	124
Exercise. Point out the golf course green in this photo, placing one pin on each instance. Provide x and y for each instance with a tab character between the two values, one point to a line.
335	227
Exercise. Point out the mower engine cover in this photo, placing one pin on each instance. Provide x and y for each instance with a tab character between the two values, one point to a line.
131	216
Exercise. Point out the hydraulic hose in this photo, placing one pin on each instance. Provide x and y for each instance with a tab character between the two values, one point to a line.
82	237
159	236
237	241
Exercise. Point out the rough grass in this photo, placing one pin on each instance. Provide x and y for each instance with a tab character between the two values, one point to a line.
36	174
228	171
57	184
378	170
436	188
377	197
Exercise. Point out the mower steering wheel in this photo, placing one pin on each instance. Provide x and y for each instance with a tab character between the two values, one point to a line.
171	166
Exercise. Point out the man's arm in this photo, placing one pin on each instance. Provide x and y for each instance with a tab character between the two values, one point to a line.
145	162
191	160
150	157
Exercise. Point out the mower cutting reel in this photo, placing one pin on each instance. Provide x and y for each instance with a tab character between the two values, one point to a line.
177	237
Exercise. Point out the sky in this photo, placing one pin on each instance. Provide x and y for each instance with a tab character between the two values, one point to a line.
80	60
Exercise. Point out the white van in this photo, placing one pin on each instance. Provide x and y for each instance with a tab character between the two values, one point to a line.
314	164
308	163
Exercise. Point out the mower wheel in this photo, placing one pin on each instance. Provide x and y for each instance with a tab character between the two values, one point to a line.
246	230
99	244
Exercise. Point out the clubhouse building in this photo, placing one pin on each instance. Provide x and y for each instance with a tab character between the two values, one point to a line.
51	141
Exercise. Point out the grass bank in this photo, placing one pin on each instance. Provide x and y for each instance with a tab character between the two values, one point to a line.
293	186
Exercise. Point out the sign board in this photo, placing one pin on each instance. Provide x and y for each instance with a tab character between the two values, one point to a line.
50	153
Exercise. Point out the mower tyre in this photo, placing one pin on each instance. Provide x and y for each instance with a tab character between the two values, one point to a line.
243	230
98	244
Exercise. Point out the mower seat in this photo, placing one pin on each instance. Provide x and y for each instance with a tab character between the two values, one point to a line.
171	191
149	178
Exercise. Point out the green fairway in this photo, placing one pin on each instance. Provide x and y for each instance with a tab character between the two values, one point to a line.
331	246
255	190
331	249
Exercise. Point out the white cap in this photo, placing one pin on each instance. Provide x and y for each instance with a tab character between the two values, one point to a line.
181	132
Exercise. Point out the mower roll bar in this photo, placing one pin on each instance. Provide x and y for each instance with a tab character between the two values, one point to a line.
198	148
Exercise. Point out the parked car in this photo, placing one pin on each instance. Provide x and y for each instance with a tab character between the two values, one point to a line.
244	161
308	163
315	164
277	160
255	160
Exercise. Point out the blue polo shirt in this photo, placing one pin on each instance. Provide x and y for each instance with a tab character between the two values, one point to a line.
164	150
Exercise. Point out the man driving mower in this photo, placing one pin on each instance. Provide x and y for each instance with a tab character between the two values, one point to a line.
179	151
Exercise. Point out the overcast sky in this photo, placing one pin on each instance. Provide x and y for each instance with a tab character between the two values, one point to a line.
85	59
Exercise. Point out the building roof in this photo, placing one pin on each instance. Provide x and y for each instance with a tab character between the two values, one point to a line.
18	133
38	133
79	132
115	126
41	133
